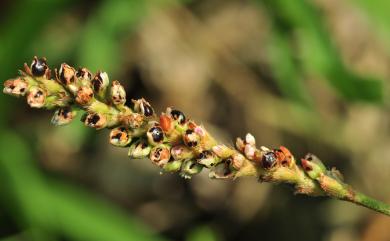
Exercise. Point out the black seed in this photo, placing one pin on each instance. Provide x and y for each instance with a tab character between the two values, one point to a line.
179	116
12	87
117	136
157	134
38	67
148	110
22	90
268	160
38	94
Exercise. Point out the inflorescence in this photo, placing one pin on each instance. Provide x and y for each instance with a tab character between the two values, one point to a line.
172	141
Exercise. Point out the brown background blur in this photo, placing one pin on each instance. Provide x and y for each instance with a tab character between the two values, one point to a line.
309	75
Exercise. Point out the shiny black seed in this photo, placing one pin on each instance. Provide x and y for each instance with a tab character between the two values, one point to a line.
148	110
268	160
179	116
39	67
157	134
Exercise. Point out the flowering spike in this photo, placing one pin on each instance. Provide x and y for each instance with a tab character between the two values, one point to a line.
172	141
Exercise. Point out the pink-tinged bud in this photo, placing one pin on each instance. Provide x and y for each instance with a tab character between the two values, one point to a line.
100	83
240	144
118	93
160	155
250	152
95	120
222	151
191	139
63	116
39	67
84	74
237	161
15	87
66	74
139	149
36	97
84	95
250	139
120	136
143	107
181	152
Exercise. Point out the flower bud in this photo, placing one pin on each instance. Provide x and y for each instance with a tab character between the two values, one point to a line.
160	155
250	139
84	95
313	166
155	135
222	151
100	83
172	166
15	87
95	120
181	152
139	149
237	161
120	136
240	144
63	116
191	138
189	168
208	158
36	97
66	74
118	93
143	107
84	74
39	67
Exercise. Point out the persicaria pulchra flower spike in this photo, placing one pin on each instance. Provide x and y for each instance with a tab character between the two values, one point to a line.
171	140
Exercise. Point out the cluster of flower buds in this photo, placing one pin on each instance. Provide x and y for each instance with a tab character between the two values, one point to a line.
170	140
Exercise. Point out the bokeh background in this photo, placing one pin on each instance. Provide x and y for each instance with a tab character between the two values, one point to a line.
310	75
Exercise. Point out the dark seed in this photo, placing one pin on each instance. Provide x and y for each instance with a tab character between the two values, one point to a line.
148	111
268	160
94	119
157	134
39	66
179	116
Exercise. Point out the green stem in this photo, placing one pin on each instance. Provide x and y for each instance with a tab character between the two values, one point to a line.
368	202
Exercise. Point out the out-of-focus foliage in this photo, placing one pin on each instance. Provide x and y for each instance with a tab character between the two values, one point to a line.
310	75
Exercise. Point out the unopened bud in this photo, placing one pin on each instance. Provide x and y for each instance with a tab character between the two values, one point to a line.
16	87
237	161
172	166
63	116
120	136
250	139
222	151
139	149
118	93
240	144
36	97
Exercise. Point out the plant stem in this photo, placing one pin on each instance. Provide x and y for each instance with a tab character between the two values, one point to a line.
371	203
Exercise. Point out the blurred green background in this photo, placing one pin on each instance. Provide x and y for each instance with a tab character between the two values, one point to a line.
310	75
